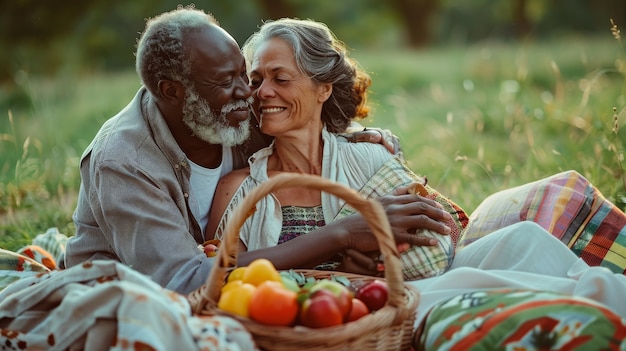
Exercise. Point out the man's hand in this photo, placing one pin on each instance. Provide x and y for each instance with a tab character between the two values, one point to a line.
374	135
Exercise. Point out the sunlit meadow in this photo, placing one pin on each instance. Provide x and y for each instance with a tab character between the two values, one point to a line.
474	120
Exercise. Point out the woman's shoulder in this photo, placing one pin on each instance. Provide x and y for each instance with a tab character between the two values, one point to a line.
233	179
363	150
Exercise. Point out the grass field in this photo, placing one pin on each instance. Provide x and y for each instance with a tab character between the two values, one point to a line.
475	120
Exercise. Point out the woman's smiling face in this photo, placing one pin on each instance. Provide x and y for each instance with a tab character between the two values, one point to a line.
286	99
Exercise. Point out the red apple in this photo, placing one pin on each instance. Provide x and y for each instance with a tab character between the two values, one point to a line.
373	294
320	311
359	309
340	291
210	250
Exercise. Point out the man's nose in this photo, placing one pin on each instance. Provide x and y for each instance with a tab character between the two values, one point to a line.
243	90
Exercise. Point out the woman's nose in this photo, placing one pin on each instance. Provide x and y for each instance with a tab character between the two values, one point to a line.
264	90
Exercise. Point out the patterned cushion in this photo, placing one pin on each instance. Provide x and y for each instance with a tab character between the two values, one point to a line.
566	205
521	320
418	262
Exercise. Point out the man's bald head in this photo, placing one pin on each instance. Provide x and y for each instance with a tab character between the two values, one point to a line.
161	48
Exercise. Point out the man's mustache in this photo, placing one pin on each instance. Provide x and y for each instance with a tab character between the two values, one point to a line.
237	105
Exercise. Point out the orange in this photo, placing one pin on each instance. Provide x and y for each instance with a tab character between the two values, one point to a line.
230	285
259	271
236	300
273	304
236	274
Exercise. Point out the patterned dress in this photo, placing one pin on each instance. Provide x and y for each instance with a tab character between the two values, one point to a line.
300	220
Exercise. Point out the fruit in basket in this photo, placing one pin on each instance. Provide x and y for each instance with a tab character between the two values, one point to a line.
340	291
231	285
358	310
273	304
373	294
236	274
290	284
210	250
259	271
236	299
210	247
320	310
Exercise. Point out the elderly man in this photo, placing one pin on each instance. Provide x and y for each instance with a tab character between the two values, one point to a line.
149	175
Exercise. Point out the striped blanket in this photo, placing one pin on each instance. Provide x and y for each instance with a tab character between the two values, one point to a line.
568	206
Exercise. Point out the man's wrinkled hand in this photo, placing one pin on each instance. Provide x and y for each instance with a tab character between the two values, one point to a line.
376	136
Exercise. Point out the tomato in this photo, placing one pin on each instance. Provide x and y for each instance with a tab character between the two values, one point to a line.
259	271
273	304
339	291
373	294
237	299
359	309
320	311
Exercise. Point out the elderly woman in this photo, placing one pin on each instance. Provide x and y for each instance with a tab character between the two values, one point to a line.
307	89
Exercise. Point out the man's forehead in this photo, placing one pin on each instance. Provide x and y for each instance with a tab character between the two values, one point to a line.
214	51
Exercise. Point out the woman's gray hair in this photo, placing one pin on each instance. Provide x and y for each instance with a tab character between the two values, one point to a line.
161	52
322	57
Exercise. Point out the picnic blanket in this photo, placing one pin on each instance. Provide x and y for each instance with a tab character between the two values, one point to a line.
517	319
105	305
45	253
566	205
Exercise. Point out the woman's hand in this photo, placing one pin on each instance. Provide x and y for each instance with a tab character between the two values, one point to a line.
367	263
361	263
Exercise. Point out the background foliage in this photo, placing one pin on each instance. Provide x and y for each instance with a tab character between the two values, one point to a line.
484	94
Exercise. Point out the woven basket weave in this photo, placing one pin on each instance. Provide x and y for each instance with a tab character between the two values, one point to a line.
389	328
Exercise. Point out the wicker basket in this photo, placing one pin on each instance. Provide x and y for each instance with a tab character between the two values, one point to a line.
389	328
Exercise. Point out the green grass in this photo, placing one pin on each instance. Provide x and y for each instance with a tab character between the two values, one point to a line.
475	120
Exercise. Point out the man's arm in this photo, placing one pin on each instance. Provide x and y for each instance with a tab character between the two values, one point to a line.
145	225
356	133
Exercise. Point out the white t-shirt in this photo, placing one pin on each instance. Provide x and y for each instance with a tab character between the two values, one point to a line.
203	183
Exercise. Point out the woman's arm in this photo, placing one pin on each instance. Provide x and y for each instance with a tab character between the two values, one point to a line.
352	232
226	188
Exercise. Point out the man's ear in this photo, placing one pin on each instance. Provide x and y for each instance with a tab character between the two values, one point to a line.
324	92
172	92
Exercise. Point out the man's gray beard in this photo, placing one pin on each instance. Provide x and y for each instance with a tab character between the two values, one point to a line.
208	126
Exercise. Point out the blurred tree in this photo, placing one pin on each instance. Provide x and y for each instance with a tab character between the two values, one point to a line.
31	24
521	21
39	36
275	9
416	16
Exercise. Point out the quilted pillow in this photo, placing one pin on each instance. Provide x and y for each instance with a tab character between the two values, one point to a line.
418	262
566	205
521	320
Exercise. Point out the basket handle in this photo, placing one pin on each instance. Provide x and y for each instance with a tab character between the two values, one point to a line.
371	210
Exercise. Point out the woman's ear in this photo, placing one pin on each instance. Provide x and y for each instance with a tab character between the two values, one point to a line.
171	92
324	91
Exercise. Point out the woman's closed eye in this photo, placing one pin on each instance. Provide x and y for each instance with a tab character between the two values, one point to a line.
255	83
